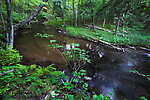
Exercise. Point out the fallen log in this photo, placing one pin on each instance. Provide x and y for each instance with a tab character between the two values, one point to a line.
30	17
108	44
98	28
146	49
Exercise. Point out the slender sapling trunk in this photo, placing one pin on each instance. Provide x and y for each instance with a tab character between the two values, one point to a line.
10	30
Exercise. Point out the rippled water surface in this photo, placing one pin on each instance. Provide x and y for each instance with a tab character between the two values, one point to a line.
109	70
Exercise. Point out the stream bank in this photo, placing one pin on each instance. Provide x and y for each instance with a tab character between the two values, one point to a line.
128	42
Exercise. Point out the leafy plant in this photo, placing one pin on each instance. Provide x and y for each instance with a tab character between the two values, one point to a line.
100	97
75	57
28	81
143	98
136	72
43	35
9	57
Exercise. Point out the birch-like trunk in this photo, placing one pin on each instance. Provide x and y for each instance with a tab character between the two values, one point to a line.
117	25
76	15
10	30
104	22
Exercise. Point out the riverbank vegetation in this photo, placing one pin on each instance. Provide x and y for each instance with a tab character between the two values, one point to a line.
124	22
133	38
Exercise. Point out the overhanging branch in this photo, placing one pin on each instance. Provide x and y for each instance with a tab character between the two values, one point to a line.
30	17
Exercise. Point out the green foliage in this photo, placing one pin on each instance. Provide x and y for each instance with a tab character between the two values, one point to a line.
143	98
2	38
59	22
18	18
75	56
76	89
42	15
100	97
43	35
9	56
74	86
146	76
28	81
135	38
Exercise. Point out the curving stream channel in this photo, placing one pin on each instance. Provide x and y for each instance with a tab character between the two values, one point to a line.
109	70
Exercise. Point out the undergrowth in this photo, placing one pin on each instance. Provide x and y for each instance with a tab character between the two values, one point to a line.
133	38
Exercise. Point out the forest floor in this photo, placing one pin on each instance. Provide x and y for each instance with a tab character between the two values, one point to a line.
134	37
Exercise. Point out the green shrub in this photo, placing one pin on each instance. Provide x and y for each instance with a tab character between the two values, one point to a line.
9	57
28	81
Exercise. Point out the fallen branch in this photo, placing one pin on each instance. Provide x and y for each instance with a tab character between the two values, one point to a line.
98	28
108	44
30	17
144	49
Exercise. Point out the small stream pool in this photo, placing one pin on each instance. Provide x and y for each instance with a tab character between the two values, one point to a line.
109	70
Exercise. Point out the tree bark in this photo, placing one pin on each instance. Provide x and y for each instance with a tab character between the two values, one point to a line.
30	17
92	16
2	16
76	16
117	25
10	30
63	20
23	9
83	19
104	22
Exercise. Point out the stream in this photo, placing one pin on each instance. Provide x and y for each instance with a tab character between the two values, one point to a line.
109	70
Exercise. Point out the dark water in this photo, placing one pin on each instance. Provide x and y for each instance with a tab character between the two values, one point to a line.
109	70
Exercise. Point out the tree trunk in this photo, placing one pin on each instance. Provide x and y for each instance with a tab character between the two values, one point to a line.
117	25
76	13
83	19
63	20
123	29
92	16
104	22
30	17
23	9
10	30
2	16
